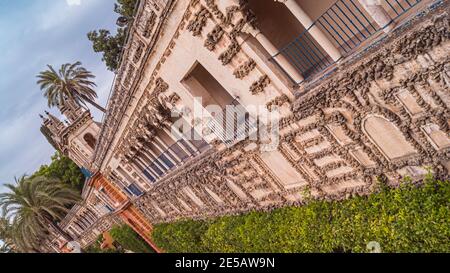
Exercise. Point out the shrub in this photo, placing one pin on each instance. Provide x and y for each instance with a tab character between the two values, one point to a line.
129	239
182	236
409	218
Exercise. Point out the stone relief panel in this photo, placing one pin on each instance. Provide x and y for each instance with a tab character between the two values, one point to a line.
387	138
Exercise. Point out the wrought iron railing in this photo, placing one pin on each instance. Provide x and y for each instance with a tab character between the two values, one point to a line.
347	25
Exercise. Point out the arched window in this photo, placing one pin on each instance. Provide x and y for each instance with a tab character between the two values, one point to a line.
90	140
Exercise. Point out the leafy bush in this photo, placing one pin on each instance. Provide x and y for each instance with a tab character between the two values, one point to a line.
182	236
63	169
130	240
409	218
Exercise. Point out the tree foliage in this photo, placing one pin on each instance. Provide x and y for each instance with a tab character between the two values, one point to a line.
34	205
410	218
64	169
125	7
130	240
6	230
111	46
71	82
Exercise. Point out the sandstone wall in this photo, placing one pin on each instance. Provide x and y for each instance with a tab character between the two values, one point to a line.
384	113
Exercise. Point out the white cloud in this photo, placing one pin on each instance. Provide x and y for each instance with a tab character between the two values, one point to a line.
73	2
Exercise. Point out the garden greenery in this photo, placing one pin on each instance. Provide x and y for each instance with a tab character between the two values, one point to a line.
129	239
409	218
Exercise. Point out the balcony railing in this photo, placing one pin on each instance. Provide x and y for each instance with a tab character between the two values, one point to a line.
347	25
233	124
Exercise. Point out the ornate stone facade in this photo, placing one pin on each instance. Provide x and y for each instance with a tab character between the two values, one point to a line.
383	115
382	111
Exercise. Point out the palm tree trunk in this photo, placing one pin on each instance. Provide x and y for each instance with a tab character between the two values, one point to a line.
93	103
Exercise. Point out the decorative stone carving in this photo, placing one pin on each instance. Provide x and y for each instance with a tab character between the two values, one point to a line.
199	21
173	99
323	140
149	25
278	101
160	87
245	69
388	138
229	54
259	86
138	52
214	37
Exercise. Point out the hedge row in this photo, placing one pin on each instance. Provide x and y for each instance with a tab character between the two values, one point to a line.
409	218
129	239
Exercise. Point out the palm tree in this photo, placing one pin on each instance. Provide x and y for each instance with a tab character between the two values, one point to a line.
5	236
33	206
72	81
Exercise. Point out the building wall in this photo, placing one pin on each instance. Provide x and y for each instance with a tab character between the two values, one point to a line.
384	113
380	112
79	149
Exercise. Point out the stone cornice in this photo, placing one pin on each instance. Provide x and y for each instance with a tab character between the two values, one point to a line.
128	76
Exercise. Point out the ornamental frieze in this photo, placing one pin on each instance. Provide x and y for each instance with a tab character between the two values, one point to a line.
197	24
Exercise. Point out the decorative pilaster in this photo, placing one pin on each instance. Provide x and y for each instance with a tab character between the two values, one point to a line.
273	51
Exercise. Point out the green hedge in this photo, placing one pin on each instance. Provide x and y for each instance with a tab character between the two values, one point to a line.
130	240
405	219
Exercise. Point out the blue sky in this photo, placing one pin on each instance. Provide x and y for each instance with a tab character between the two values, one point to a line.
35	33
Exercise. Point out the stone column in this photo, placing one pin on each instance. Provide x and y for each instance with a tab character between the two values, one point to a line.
149	151
314	31
89	220
92	214
273	51
159	143
80	226
74	231
88	217
177	140
378	13
78	230
144	167
83	224
181	136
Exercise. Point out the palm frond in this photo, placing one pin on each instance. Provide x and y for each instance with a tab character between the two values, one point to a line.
71	82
